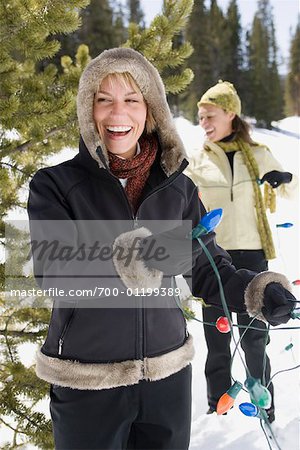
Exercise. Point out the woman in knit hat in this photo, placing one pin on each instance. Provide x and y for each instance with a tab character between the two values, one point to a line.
229	171
108	233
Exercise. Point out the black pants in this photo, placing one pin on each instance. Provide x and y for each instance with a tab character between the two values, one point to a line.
217	367
150	415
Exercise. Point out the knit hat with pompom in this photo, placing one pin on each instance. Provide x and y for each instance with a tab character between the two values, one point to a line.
223	95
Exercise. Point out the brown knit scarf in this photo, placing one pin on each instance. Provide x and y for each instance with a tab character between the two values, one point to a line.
135	170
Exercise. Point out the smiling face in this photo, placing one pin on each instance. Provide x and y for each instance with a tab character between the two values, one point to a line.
216	122
120	115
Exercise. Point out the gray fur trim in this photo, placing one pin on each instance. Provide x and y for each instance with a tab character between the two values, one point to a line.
163	366
151	85
77	375
135	275
254	293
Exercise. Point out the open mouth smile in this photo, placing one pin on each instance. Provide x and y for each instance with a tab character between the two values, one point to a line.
120	130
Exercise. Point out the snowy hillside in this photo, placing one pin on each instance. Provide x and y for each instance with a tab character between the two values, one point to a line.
236	431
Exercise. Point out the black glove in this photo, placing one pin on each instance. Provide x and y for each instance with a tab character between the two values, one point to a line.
172	252
276	178
278	304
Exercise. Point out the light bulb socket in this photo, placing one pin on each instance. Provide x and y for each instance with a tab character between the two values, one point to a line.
198	231
234	389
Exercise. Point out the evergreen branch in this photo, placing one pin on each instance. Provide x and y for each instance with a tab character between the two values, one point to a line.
13	167
28	418
11	427
8	347
5	333
26	145
15	445
176	83
22	333
37	106
158	42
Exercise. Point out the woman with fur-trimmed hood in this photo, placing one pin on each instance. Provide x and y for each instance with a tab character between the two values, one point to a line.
109	231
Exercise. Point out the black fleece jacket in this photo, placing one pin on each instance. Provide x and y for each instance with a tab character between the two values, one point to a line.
102	330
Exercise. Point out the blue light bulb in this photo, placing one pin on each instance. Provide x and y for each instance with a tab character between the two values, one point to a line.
249	410
284	225
208	223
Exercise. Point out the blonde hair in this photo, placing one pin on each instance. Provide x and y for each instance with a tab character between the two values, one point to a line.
127	80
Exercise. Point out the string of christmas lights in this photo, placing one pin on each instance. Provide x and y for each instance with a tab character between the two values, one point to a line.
260	396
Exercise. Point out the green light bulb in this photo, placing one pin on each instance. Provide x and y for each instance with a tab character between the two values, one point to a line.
259	394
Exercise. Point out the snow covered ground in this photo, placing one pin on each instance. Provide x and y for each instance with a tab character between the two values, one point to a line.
236	431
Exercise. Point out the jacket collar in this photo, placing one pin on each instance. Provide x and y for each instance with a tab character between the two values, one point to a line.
168	165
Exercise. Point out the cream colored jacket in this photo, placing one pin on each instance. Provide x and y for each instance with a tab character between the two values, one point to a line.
212	173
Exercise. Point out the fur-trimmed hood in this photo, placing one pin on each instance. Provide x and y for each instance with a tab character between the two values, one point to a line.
151	85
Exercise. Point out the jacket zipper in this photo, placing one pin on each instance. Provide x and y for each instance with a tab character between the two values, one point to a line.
140	316
63	334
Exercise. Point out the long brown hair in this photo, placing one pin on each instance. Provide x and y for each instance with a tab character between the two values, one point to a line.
242	129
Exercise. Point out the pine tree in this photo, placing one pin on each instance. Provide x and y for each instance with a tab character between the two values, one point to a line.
292	87
102	28
206	31
233	54
265	96
276	94
119	20
216	40
136	14
258	70
37	107
37	119
197	33
97	30
216	26
156	43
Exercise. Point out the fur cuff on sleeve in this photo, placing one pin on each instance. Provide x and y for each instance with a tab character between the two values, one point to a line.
254	293
130	265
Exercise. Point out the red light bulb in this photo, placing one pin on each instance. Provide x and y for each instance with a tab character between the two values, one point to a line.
222	325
